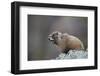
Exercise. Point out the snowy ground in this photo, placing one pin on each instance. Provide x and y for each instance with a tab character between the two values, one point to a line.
73	54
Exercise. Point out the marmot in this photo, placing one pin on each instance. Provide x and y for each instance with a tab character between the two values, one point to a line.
65	41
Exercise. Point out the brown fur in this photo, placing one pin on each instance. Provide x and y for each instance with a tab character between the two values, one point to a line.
68	42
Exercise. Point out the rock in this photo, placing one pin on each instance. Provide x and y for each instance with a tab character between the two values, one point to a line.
73	54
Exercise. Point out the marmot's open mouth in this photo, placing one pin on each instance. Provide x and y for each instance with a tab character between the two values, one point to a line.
54	40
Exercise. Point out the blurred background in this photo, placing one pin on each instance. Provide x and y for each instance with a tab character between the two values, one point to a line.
40	26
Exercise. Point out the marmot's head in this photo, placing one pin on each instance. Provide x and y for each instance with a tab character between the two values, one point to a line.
55	37
65	41
58	39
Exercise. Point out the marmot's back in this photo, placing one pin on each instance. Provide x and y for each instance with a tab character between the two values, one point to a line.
74	43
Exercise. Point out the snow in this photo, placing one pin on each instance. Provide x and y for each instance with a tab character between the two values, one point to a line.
73	54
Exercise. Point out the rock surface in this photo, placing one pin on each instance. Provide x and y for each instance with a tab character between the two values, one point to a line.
73	54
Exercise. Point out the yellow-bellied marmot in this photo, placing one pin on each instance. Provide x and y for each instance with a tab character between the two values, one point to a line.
65	41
